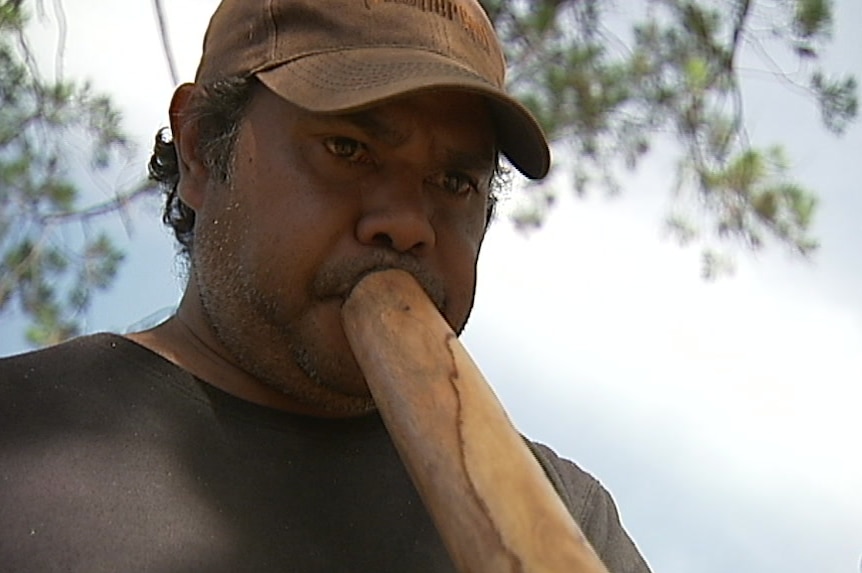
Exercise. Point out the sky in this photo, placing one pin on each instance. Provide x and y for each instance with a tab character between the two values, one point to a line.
724	417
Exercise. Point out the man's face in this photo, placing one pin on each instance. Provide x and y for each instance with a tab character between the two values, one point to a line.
317	201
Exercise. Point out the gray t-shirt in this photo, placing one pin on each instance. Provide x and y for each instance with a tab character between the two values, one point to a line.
114	459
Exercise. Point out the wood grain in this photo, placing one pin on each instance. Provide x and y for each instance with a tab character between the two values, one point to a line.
494	507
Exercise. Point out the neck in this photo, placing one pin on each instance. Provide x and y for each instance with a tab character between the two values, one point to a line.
187	340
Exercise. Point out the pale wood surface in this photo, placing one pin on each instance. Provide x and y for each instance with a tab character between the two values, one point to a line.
489	498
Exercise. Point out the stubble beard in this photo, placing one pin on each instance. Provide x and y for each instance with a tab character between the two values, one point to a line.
245	321
305	370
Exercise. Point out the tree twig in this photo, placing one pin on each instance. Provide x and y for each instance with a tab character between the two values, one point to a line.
114	204
166	41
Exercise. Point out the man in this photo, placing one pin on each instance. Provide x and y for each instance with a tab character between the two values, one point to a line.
321	141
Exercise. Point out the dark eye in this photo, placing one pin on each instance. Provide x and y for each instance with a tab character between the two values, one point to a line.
346	148
458	183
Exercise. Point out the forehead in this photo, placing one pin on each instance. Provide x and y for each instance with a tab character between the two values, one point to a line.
441	106
456	119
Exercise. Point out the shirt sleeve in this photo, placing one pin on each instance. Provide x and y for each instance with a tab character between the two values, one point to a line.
594	510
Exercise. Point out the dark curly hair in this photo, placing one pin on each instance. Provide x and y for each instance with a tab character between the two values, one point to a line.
218	108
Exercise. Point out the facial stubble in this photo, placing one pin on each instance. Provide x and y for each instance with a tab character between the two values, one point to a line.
292	357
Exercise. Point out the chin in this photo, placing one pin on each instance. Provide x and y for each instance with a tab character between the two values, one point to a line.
349	382
332	367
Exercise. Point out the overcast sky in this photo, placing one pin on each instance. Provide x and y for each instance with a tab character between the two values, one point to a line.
724	417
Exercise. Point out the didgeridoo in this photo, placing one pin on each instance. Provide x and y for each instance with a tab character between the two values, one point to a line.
489	498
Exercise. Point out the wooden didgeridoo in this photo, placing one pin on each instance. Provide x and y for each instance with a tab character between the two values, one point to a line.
489	498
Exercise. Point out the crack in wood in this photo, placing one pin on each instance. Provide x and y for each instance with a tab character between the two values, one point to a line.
451	339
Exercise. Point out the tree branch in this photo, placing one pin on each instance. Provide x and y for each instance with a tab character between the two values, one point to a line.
115	204
166	41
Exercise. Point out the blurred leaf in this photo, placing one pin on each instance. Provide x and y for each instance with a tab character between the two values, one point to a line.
46	270
610	82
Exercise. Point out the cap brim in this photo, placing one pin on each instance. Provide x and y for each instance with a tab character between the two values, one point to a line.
349	80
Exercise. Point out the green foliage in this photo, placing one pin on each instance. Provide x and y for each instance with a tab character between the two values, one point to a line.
837	99
609	85
812	18
48	271
612	86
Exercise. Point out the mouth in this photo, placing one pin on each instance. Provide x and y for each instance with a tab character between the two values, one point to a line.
337	282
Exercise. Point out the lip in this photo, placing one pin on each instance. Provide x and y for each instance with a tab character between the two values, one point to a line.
371	271
432	287
344	288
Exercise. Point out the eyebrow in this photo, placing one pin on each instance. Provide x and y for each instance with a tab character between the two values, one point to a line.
376	126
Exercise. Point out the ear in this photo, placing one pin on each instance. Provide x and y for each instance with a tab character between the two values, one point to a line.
193	171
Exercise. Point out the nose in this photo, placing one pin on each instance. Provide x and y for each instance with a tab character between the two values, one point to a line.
397	216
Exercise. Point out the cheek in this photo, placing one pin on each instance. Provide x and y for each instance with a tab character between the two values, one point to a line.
296	221
463	226
460	244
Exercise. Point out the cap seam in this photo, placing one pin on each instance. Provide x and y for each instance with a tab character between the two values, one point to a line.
273	62
273	30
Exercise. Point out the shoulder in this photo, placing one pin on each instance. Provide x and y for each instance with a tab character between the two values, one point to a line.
576	487
78	351
103	352
84	375
593	508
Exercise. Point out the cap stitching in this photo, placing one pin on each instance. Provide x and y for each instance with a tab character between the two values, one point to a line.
274	62
273	30
370	75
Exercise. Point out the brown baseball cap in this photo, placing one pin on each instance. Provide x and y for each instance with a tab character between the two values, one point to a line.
339	56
